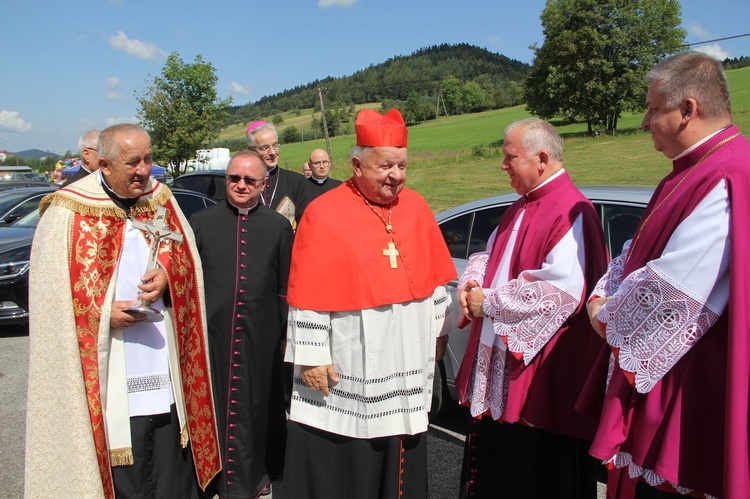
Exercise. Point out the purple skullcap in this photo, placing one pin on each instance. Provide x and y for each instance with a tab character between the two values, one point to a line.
255	124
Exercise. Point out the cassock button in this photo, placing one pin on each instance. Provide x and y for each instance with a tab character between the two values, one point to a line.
243	266
230	449
242	241
238	328
244	230
232	413
239	316
240	303
233	401
236	352
242	291
237	340
242	278
230	460
230	472
242	253
231	437
235	365
232	425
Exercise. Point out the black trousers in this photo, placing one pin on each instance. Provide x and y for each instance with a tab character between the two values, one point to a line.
520	462
162	469
322	465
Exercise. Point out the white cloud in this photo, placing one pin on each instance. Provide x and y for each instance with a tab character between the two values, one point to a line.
714	50
699	30
117	121
495	41
113	82
236	88
12	122
136	48
324	4
115	95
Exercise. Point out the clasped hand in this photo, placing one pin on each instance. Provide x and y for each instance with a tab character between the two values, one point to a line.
470	299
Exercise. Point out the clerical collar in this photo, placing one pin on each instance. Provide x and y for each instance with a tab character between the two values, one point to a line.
121	202
243	211
553	177
273	170
320	182
698	144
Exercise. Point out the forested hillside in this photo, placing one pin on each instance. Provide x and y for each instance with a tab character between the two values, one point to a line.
468	78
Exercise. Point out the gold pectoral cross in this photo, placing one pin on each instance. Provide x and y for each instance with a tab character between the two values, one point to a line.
391	252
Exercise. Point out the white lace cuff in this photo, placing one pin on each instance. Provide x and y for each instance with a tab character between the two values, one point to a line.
528	312
612	278
654	322
476	269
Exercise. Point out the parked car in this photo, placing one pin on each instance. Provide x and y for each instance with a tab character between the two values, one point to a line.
15	252
466	229
17	184
15	203
212	183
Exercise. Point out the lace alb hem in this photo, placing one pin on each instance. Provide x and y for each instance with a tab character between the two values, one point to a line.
488	386
528	312
623	459
654	323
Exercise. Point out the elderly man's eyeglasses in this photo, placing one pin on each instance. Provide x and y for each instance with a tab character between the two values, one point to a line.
325	162
265	149
235	179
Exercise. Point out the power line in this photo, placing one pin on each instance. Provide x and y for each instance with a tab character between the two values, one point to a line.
716	40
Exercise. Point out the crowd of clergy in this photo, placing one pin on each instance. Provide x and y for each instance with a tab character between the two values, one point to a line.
292	330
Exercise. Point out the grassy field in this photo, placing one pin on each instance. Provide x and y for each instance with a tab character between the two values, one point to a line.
456	159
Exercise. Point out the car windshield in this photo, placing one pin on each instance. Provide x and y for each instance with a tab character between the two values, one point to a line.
28	221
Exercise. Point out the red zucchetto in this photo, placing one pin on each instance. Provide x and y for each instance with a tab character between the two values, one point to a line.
377	130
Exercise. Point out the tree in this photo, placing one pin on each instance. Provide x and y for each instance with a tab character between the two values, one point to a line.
277	119
181	110
290	134
473	97
452	96
595	55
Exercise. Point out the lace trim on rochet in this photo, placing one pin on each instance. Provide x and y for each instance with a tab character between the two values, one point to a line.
654	322
149	383
623	459
488	385
476	269
528	312
612	278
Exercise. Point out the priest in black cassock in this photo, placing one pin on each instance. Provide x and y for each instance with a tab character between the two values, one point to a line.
282	188
245	248
319	182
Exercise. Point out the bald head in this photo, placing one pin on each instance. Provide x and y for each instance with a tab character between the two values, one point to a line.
320	163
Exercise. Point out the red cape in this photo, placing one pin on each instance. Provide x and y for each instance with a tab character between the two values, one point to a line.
338	262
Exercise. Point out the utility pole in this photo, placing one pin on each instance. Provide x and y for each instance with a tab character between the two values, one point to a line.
325	123
437	107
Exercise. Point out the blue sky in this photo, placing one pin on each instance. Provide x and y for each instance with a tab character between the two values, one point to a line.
69	66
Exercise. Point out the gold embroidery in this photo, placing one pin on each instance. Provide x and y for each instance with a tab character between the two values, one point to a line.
121	457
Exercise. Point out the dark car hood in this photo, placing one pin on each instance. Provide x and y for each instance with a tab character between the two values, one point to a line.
13	237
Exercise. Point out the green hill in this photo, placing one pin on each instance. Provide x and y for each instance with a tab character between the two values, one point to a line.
394	79
456	159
